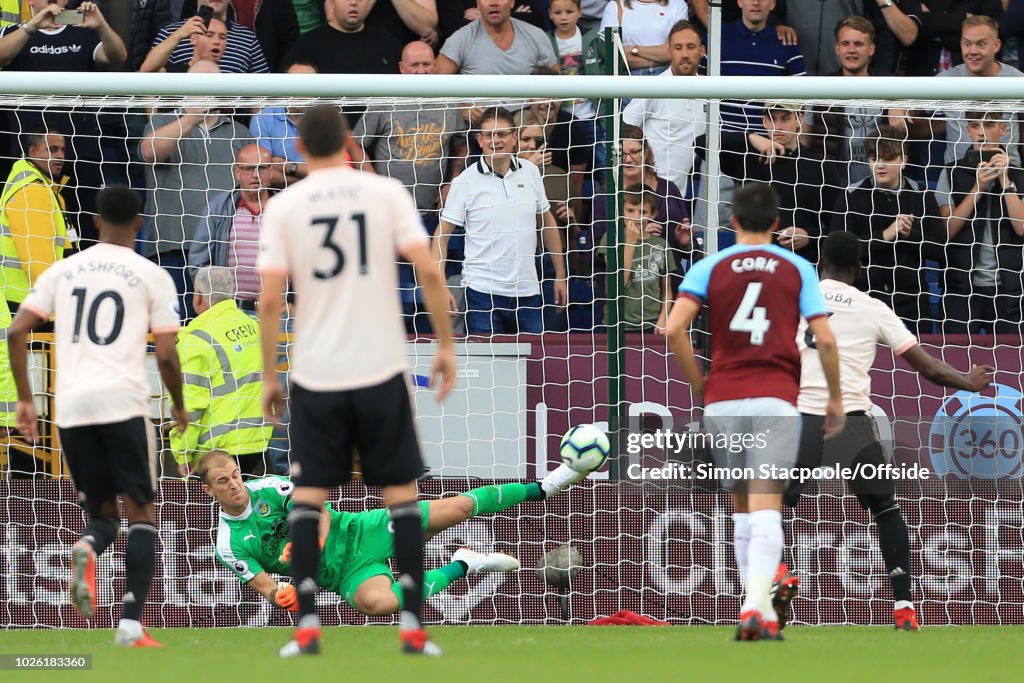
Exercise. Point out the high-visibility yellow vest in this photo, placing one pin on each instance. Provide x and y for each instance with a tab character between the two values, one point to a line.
8	391
13	273
13	12
221	367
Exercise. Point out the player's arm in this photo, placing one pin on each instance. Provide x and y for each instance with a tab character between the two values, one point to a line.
193	357
666	304
281	595
270	308
684	312
944	374
17	350
436	298
828	353
170	372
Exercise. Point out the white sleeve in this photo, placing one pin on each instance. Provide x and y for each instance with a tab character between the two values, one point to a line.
454	210
405	219
40	298
163	299
273	256
892	332
635	113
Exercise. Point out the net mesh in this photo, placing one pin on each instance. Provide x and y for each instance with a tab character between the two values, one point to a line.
661	550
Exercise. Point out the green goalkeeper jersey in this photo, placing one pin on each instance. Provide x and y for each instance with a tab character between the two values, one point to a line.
251	542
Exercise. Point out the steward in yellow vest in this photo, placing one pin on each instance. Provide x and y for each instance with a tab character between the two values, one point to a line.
221	367
33	230
13	12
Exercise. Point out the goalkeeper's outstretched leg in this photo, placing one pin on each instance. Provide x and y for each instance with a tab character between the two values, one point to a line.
379	594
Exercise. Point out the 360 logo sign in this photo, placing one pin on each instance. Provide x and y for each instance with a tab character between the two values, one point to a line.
979	436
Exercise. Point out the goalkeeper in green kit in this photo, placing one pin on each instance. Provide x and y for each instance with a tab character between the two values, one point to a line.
252	536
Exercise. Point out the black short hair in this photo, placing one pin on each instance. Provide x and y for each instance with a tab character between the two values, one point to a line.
497	114
118	205
36	136
841	251
323	130
756	207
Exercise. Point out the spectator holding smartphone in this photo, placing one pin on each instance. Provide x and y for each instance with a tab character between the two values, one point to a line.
209	39
980	198
898	222
49	42
243	53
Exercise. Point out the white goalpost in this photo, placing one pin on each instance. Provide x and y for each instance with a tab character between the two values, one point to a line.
661	549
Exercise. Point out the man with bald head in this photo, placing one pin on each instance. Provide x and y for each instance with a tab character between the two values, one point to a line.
420	146
229	233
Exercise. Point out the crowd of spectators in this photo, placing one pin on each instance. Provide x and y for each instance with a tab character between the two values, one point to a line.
515	196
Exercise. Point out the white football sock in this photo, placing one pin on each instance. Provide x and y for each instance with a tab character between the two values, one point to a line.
900	604
560	478
766	542
741	541
130	628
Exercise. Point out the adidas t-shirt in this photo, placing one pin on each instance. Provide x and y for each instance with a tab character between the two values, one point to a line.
67	48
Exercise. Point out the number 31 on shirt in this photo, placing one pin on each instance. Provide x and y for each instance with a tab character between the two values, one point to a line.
330	225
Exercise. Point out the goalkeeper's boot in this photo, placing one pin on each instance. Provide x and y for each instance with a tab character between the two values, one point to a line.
306	641
83	579
783	590
906	619
770	630
482	563
750	627
416	642
561	478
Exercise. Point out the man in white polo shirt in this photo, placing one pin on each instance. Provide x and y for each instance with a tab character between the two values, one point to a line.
498	201
671	125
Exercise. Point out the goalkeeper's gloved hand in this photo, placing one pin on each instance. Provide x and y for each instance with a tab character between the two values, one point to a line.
285	597
286	551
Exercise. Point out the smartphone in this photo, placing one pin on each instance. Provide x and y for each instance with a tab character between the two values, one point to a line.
206	12
976	156
70	17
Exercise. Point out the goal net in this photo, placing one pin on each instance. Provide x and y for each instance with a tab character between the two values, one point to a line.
543	352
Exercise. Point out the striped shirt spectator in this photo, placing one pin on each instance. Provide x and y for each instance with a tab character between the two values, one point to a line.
243	54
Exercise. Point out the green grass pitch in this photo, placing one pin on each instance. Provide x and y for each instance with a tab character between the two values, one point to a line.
532	654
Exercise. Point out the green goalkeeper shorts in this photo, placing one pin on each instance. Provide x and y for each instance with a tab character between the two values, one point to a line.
372	544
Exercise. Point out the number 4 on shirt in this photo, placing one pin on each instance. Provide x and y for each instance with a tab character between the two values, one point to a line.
750	317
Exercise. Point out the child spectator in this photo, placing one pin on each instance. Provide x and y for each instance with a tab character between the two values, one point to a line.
579	53
898	222
646	264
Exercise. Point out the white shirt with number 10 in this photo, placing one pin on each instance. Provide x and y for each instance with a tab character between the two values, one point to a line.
105	300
